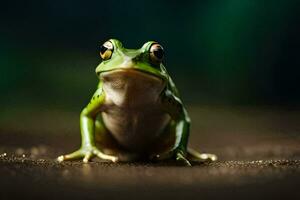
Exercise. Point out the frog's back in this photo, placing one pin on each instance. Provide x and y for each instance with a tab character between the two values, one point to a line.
132	112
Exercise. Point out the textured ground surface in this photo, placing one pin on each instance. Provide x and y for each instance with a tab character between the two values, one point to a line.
259	158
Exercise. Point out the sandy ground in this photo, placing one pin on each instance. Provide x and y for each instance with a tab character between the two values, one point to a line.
259	158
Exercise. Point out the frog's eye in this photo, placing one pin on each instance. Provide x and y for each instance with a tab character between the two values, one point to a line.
106	50
156	53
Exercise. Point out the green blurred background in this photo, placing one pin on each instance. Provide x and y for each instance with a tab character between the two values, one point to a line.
219	52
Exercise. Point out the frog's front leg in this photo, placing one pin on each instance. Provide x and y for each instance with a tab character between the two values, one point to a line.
176	110
87	127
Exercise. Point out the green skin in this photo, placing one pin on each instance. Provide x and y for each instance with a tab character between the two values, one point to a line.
99	132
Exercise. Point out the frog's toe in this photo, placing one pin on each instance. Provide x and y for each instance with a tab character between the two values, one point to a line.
182	159
202	157
72	156
87	157
60	158
208	156
105	156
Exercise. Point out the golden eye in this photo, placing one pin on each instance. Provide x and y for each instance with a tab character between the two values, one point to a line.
106	50
156	53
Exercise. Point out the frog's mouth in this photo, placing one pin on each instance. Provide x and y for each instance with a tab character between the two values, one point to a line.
130	70
128	74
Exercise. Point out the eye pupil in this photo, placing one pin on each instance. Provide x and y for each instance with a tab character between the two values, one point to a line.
159	53
103	49
106	50
156	53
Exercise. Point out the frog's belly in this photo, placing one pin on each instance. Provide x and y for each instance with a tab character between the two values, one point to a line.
132	110
135	130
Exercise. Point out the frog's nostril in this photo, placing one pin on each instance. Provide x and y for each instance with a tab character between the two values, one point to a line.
98	73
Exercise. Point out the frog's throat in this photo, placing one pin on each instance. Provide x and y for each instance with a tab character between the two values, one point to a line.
129	88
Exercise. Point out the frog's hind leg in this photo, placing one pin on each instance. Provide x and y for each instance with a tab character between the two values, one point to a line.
193	155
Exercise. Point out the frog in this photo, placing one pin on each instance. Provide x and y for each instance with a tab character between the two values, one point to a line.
136	112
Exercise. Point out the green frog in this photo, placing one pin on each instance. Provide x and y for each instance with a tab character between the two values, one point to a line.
136	112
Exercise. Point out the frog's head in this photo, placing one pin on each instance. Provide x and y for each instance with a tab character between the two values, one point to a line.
147	60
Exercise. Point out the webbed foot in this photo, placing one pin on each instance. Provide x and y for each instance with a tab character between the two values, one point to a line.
87	153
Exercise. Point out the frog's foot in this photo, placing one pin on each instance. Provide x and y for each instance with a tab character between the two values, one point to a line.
202	157
87	153
178	155
181	158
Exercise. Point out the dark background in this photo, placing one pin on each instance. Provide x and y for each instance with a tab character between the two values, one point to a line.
235	62
218	52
